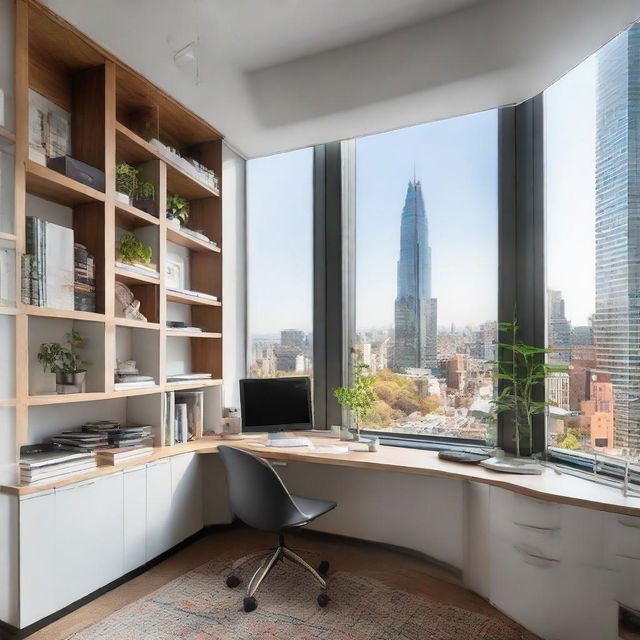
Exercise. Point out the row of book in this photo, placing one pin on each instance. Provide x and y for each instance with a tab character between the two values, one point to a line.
48	265
40	463
103	434
84	286
183	416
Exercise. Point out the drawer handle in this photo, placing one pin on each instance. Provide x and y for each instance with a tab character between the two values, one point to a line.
535	526
630	524
536	556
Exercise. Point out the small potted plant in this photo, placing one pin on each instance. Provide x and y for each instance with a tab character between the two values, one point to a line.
126	182
65	362
177	209
358	397
133	251
145	196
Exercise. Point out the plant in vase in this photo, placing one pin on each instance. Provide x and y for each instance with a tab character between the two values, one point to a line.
127	182
133	251
524	371
177	209
65	362
359	396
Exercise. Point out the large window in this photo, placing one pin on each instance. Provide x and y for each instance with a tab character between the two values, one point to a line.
592	142
280	262
426	275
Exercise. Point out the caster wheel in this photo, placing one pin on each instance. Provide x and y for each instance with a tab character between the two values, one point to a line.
323	600
250	604
323	568
233	581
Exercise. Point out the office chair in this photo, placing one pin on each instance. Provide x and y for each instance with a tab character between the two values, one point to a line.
259	498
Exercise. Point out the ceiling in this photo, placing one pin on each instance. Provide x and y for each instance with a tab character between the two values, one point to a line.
274	75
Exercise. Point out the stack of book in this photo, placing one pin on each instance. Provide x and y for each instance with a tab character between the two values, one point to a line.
191	292
183	417
39	463
85	280
129	377
140	269
176	325
184	378
129	436
72	440
48	265
199	235
122	454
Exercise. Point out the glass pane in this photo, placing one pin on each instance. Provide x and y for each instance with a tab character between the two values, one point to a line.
426	275
592	148
280	264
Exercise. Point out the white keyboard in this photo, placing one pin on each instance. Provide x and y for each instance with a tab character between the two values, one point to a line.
289	442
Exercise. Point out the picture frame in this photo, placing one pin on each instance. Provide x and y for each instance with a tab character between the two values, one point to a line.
174	274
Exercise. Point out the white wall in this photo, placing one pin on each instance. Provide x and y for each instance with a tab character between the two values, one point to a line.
234	276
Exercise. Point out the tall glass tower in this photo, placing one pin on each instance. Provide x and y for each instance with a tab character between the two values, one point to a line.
415	310
617	317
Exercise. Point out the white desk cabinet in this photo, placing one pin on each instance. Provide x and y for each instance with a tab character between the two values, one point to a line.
39	593
186	497
89	541
158	519
135	518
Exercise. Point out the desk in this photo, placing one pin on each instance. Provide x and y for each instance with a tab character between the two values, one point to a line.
550	486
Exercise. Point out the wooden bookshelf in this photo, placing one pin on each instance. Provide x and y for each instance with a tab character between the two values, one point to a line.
115	112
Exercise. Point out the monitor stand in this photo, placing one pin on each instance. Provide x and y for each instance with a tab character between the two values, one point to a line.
280	435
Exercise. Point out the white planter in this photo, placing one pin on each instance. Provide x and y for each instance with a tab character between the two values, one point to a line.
123	197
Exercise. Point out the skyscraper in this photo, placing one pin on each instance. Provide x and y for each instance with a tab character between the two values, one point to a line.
617	317
416	314
558	328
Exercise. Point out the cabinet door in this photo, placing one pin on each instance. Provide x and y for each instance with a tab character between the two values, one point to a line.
39	594
622	541
135	518
159	535
89	535
186	500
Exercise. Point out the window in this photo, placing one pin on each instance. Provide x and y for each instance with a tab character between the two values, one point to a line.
592	154
426	275
280	262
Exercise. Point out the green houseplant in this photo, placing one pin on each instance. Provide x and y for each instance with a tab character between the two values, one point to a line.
524	369
177	208
359	396
126	179
65	362
132	251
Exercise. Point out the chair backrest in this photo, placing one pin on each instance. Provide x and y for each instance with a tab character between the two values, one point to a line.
257	495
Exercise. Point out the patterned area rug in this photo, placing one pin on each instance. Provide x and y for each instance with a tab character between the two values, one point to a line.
199	606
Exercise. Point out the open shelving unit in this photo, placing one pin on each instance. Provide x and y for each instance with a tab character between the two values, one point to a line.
115	114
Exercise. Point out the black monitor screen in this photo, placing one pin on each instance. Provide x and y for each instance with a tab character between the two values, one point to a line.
275	404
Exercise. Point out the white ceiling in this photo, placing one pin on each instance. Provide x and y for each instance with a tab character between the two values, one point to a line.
282	74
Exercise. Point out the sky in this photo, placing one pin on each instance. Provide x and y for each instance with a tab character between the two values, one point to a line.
456	162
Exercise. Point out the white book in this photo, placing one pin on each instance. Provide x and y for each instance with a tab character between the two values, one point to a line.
59	261
7	277
181	422
120	386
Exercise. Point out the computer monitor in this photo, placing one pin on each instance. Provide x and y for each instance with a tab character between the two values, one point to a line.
275	404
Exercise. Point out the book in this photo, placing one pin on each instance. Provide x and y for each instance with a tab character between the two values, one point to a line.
7	277
56	471
187	377
46	456
59	265
121	386
194	401
181	422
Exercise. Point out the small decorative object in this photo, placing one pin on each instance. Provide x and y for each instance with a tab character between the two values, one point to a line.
359	396
131	188
77	170
145	196
129	306
174	275
177	209
524	372
132	251
66	363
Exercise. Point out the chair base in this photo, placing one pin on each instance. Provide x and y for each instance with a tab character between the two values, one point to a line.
269	559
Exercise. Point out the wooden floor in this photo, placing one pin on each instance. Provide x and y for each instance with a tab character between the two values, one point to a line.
394	568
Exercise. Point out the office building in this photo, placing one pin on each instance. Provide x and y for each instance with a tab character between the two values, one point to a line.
558	328
292	338
616	323
416	312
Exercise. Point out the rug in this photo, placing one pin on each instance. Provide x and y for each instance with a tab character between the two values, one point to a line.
199	606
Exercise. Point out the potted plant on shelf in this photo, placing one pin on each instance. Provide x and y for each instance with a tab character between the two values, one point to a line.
133	251
177	210
358	397
145	196
524	369
65	362
126	182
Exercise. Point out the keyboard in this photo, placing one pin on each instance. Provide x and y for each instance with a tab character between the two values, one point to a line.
289	442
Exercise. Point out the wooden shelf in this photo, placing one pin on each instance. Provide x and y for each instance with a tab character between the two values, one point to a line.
7	135
130	217
65	398
136	324
7	236
134	149
8	403
47	312
177	236
51	185
130	278
172	333
8	311
196	384
185	298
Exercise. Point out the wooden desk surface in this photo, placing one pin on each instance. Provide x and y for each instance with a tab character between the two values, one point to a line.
549	486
